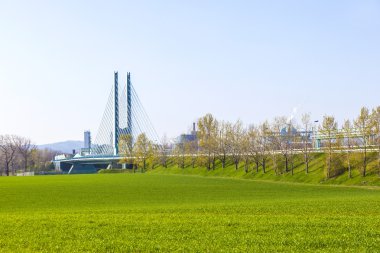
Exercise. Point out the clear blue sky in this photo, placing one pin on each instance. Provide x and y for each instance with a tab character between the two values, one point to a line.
248	60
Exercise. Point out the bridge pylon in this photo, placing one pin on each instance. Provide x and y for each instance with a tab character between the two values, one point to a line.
123	115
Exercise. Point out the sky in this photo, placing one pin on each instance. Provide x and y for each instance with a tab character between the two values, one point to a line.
247	60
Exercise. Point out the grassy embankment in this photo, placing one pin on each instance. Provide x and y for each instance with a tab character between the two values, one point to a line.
151	213
316	175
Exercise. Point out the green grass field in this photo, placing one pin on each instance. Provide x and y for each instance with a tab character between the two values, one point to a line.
148	212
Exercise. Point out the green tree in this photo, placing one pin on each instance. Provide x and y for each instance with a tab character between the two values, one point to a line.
126	150
142	151
154	155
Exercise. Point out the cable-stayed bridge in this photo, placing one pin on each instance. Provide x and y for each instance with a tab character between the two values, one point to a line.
124	115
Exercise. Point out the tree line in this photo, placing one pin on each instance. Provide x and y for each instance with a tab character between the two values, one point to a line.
279	142
19	154
142	152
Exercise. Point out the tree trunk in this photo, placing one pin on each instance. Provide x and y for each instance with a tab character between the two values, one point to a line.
209	162
306	157
275	167
286	164
236	164
257	167
378	162
330	160
25	164
349	165
13	168
7	168
365	160
292	167
264	166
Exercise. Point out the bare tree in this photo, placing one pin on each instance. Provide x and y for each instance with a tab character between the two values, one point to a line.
223	142
207	135
163	152
235	135
275	140
245	145
191	148
8	150
306	123
1	159
348	130
291	139
282	137
254	145
264	144
329	128
24	149
41	159
375	117
179	153
363	125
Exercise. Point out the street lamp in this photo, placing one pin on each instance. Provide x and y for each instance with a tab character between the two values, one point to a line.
314	134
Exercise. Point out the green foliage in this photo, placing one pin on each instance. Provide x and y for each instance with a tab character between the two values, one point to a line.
166	213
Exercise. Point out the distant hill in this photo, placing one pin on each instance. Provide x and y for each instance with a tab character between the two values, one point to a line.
64	147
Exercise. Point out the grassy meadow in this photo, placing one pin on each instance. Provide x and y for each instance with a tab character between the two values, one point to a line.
161	213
